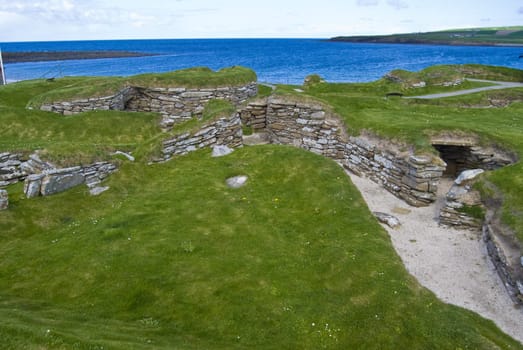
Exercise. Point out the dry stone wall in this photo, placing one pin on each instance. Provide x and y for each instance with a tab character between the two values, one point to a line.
58	180
105	103
10	170
254	115
224	131
43	178
179	104
506	258
310	126
461	196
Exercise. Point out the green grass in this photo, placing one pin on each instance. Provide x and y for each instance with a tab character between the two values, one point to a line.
172	258
196	78
474	211
70	88
68	140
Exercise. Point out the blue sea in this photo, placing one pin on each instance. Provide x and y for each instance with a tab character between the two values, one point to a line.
274	60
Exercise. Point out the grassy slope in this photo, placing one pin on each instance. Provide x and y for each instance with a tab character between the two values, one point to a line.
478	36
363	106
172	258
68	140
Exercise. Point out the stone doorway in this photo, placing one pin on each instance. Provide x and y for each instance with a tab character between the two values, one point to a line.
458	159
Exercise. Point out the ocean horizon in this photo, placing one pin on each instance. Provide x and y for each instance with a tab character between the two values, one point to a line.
286	61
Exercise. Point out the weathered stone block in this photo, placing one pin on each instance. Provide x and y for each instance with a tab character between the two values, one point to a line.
56	183
4	200
32	185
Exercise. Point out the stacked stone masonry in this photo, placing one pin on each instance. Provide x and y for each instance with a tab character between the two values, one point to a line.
461	196
508	261
254	115
58	180
224	131
10	169
117	101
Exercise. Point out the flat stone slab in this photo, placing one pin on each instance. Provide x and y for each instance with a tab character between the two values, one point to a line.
468	175
237	181
221	150
126	155
32	185
387	219
258	138
57	183
95	191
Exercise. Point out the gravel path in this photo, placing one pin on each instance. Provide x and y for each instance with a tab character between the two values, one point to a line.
451	263
498	86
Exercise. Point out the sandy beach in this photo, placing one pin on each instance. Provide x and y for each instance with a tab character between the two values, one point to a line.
451	263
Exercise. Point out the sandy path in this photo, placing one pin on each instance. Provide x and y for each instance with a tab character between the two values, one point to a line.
498	86
452	263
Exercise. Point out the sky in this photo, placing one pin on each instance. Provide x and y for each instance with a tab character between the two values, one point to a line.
49	20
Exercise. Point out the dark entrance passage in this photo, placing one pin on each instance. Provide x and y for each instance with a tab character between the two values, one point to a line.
458	159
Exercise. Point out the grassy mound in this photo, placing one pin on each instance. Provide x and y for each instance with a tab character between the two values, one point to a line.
73	88
441	78
171	257
68	140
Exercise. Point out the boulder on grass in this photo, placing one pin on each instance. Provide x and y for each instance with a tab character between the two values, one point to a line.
237	181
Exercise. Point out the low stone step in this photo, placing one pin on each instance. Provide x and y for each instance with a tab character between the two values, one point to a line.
259	138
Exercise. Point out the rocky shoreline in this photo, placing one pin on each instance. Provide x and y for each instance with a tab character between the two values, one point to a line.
40	56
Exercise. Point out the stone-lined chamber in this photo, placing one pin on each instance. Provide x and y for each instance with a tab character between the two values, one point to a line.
175	104
59	180
42	178
311	126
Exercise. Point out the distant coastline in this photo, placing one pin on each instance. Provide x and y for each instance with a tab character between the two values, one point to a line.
373	40
506	36
40	56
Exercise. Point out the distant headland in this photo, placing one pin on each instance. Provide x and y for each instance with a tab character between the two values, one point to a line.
498	36
37	56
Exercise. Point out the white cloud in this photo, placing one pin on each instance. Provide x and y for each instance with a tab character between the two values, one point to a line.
75	12
367	2
398	4
520	11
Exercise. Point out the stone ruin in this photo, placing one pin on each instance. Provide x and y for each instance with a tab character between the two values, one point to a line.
175	104
304	124
42	178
